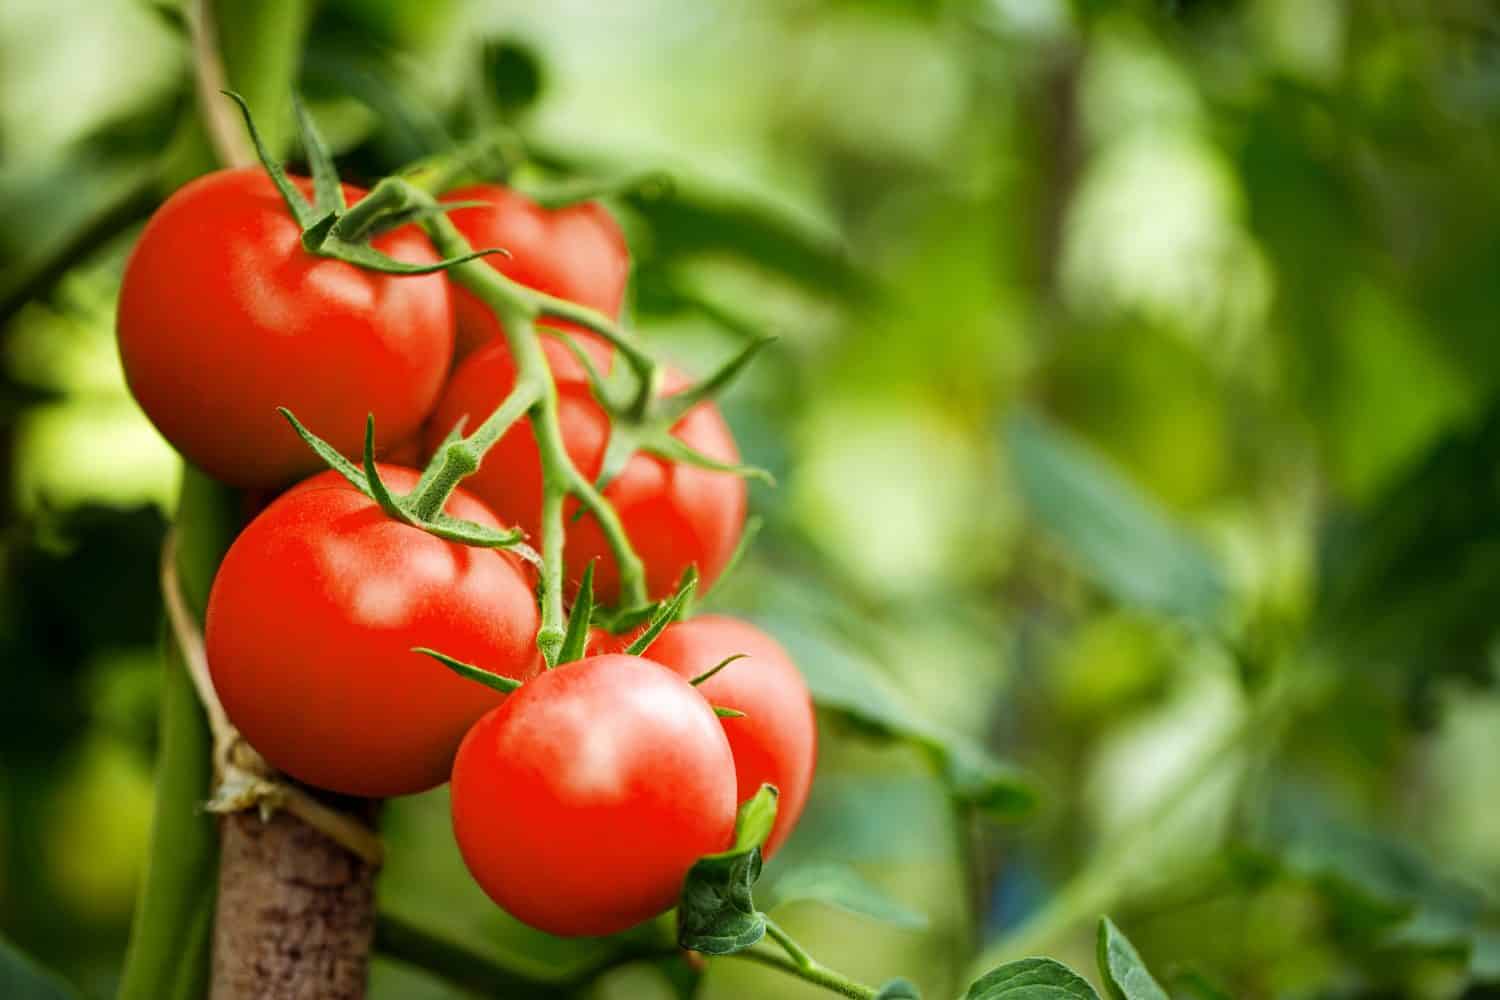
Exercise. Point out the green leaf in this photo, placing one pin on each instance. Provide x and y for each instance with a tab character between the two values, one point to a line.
842	887
328	193
23	979
470	672
716	914
898	989
575	642
1032	979
1411	585
666	445
714	384
1120	538
1484	957
1399	899
295	203
1125	975
666	613
329	454
844	681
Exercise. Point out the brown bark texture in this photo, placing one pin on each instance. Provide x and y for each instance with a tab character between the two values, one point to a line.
296	913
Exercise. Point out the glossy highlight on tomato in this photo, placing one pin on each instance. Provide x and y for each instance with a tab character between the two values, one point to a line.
576	253
776	741
311	623
676	515
581	802
224	317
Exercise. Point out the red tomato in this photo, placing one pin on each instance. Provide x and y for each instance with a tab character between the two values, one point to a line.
576	253
224	317
311	623
676	515
776	741
581	802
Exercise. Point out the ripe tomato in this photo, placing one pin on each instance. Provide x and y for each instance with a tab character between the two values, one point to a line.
776	741
224	317
576	253
311	623
581	802
676	515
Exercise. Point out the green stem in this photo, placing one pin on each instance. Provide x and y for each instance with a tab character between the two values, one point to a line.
516	307
802	965
168	954
493	154
462	457
640	362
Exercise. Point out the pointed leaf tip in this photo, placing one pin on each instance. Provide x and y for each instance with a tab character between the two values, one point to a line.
1125	974
495	682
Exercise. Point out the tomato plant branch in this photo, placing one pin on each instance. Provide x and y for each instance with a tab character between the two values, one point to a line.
517	307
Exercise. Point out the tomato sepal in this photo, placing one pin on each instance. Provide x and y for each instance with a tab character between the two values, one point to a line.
665	613
469	671
716	914
408	508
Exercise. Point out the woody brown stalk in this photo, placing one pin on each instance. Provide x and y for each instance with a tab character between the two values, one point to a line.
296	912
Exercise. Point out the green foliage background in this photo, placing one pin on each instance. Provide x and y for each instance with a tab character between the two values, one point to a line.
1135	413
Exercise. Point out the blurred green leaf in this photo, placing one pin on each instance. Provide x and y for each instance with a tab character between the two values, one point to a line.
1194	985
842	887
1394	898
1125	975
1120	537
898	989
1413	582
1032	979
844	681
23	979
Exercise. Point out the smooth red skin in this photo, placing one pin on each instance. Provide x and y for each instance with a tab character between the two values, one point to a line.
676	515
311	623
576	253
776	741
224	317
580	803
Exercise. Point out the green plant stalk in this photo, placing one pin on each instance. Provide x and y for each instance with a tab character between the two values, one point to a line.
167	958
802	965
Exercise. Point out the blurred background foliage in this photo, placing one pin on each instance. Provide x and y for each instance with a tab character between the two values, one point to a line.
1136	413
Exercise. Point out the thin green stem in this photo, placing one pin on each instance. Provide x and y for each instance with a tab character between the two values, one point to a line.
642	364
553	632
493	154
807	969
388	197
463	456
516	307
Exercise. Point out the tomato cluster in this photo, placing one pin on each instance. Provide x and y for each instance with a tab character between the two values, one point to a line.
581	798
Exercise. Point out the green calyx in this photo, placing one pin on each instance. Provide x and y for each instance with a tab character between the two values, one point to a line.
423	506
641	420
332	229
